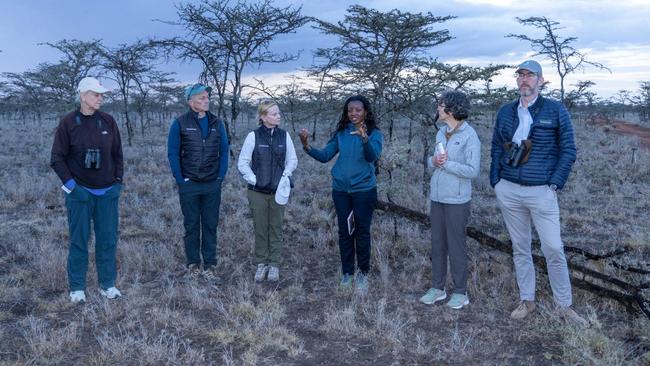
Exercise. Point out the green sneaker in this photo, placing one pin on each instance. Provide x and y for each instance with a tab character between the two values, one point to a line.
433	296
457	301
361	283
346	280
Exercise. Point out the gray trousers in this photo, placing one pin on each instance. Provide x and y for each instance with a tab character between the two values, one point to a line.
520	205
448	228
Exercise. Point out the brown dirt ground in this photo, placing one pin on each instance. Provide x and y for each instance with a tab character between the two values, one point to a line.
624	128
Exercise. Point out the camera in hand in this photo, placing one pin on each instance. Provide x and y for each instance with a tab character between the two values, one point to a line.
93	159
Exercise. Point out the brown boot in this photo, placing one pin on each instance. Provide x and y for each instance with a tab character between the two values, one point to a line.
525	307
569	315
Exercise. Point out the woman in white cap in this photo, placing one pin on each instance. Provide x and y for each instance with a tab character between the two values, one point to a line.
266	161
87	157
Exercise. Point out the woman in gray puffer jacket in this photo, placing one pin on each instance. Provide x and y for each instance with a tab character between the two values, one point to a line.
456	162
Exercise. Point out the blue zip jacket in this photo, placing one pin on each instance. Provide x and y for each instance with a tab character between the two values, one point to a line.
354	170
553	151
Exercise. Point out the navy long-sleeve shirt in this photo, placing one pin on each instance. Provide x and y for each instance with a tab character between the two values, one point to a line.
174	148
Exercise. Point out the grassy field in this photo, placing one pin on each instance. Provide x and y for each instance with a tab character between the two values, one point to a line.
166	318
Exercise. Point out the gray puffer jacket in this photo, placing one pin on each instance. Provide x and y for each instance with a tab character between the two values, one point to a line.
452	183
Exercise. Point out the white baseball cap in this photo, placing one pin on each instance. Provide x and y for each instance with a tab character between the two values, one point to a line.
283	191
91	84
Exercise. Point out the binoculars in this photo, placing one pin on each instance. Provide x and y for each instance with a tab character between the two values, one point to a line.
517	154
93	159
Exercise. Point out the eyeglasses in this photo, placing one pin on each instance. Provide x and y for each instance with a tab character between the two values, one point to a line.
527	75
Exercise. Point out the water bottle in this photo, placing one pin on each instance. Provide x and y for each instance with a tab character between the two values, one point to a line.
440	148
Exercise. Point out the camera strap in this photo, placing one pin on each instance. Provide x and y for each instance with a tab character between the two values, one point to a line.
77	121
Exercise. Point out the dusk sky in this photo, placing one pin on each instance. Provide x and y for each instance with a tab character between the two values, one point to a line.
612	33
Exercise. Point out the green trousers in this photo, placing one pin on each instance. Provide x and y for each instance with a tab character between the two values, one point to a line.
267	221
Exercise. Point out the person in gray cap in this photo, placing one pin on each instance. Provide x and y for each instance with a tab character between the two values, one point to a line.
532	153
197	149
87	157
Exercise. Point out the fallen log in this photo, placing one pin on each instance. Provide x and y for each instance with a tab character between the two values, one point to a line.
582	277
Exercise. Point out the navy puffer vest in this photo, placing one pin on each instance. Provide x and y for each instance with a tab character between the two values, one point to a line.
199	156
268	158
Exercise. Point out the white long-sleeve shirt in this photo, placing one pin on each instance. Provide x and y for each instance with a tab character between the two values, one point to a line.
246	156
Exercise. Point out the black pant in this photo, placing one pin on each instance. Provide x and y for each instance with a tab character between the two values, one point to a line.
363	204
200	206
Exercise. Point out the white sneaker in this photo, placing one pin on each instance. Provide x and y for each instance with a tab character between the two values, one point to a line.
274	274
77	296
260	274
111	293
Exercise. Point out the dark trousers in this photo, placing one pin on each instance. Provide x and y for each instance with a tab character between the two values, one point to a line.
363	204
84	207
448	231
200	206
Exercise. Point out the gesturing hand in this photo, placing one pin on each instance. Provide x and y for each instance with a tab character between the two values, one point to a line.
304	134
362	131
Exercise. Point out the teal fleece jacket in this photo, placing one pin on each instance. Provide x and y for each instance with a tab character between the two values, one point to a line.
354	170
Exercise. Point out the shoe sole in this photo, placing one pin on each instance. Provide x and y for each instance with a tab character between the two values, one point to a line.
465	303
434	300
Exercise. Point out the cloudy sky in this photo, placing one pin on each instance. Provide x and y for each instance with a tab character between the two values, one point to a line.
614	33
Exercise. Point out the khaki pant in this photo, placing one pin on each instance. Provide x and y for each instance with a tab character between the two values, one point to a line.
267	221
520	205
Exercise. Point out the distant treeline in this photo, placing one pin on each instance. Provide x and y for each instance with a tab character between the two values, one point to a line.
389	56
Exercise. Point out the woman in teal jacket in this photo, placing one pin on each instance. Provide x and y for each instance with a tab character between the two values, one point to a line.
358	142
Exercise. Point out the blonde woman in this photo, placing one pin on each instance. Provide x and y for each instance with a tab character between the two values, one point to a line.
267	158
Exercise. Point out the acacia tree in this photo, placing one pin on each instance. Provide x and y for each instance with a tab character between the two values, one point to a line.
376	47
229	37
417	94
642	101
79	59
143	97
565	57
621	98
580	94
125	64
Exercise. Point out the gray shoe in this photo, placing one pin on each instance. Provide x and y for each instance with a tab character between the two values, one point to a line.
569	315
457	301
274	274
523	310
433	296
210	274
260	274
194	270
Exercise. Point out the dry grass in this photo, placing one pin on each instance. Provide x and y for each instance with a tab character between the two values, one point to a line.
165	318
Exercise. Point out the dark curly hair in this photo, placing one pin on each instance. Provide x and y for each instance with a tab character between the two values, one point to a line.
370	122
456	104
